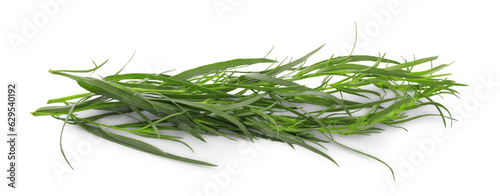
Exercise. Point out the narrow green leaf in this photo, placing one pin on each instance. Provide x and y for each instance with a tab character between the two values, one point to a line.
411	63
202	70
137	144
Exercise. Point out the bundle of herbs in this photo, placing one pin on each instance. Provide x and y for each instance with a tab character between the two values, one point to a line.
358	94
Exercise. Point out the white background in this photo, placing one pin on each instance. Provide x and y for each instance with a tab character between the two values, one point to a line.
462	160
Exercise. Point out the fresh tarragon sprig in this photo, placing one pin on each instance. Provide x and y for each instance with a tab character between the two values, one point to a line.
358	94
